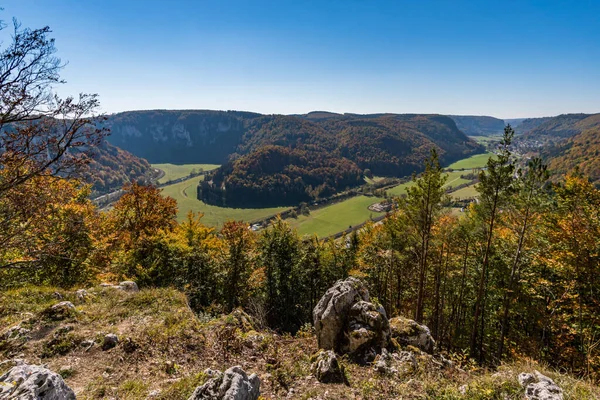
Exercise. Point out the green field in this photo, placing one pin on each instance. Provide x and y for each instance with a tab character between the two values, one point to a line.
173	171
465	193
185	194
485	140
336	217
454	179
476	161
400	189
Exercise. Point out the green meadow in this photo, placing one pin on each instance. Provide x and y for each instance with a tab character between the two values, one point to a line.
173	171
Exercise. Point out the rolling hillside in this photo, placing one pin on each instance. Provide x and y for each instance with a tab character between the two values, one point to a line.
111	167
284	160
581	151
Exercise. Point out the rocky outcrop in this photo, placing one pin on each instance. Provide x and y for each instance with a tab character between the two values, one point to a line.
407	332
345	321
33	382
368	333
331	313
60	311
327	369
233	384
540	387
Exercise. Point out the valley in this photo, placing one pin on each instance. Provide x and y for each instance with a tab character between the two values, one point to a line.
323	221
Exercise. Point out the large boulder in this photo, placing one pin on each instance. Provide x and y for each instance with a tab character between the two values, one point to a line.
345	321
410	333
233	384
331	313
540	387
33	382
327	369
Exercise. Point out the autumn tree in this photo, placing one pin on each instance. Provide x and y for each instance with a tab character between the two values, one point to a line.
43	139
136	218
41	133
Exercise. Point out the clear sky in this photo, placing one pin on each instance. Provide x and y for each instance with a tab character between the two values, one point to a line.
504	58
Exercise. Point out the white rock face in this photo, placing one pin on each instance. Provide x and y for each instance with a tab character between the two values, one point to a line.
33	382
331	313
233	384
345	321
540	387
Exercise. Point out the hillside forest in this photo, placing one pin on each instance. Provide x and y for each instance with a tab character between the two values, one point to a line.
514	276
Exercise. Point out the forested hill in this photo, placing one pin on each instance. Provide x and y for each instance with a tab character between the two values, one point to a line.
562	126
289	159
111	167
475	125
581	151
186	136
528	124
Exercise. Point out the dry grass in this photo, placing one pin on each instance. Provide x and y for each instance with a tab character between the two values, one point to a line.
165	347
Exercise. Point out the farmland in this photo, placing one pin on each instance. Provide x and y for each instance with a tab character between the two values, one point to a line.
185	194
173	171
476	161
336	217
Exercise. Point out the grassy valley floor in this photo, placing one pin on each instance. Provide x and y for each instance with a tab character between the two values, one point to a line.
173	171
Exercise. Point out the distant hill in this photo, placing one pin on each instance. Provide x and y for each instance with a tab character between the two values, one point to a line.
283	160
560	127
581	151
473	125
111	167
527	124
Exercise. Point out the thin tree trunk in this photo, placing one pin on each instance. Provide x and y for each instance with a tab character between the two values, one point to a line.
482	278
508	295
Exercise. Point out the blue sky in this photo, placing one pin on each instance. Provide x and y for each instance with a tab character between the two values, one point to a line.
508	59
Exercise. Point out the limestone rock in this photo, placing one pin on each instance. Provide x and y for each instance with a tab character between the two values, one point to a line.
410	333
60	311
110	341
16	332
32	382
540	387
395	363
129	286
345	321
81	294
368	330
331	313
233	384
327	369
